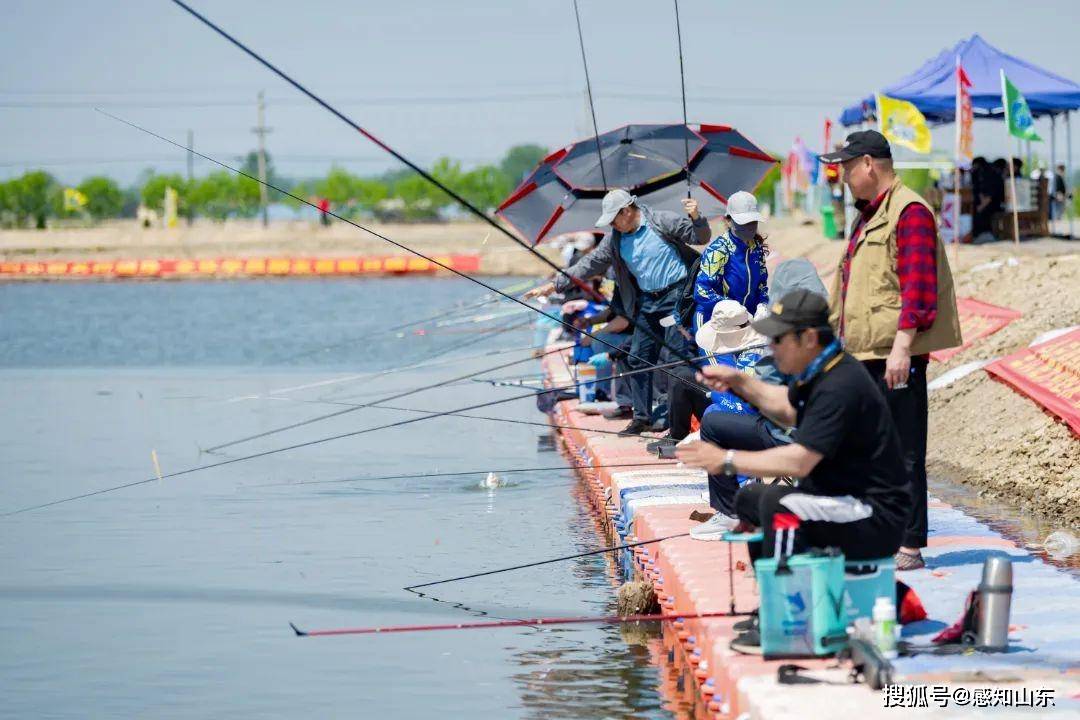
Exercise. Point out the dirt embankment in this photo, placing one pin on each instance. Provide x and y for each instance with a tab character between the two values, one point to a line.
983	434
126	240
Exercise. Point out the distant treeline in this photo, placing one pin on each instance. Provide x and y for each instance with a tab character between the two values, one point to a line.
36	197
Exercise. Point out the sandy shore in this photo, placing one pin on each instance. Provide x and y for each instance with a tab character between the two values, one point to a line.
125	240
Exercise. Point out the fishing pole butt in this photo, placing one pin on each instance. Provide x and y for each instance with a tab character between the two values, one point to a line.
298	631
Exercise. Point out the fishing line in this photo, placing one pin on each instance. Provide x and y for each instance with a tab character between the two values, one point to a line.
461	473
598	620
683	358
354	407
588	90
682	80
409	163
423	173
297	446
601	551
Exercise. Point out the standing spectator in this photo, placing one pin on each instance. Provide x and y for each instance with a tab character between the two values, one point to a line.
1059	193
893	303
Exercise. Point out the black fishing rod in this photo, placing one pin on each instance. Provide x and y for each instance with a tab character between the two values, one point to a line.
683	358
464	473
353	407
423	173
401	158
682	80
588	90
297	446
601	551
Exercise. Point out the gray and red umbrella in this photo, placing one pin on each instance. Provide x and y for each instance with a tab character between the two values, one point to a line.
564	192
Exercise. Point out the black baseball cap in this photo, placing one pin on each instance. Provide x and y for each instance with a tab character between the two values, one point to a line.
857	144
798	310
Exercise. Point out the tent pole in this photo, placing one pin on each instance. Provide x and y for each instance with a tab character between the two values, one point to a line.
1069	204
1053	168
1012	183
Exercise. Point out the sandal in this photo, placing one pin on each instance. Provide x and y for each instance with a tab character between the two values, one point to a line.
907	561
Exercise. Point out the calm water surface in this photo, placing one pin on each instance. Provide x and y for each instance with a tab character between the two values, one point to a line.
172	599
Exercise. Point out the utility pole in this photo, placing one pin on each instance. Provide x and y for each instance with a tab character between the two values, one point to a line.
261	130
190	172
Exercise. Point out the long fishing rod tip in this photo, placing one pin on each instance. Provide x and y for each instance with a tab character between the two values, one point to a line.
298	631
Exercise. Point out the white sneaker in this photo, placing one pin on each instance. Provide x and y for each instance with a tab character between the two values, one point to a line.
714	528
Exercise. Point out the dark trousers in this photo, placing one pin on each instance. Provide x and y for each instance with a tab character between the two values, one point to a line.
684	401
910	409
733	432
867	539
644	348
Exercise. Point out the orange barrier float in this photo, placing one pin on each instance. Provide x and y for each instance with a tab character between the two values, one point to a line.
226	267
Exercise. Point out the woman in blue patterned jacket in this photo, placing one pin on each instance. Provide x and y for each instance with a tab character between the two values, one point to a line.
733	264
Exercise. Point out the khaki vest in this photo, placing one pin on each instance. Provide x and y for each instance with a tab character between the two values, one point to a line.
871	310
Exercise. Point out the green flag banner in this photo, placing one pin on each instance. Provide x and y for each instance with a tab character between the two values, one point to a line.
1017	113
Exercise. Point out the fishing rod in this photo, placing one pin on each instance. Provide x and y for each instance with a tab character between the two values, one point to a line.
401	158
601	551
516	287
423	173
588	90
354	407
596	620
297	446
462	473
682	80
511	421
683	357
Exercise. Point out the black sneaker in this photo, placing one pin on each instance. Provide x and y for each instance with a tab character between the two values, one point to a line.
620	413
750	623
749	643
636	427
660	425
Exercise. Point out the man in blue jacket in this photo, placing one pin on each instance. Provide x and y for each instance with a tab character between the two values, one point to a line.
651	254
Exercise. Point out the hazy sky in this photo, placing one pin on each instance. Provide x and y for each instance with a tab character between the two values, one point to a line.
466	79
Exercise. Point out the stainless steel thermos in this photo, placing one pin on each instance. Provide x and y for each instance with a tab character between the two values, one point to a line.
995	601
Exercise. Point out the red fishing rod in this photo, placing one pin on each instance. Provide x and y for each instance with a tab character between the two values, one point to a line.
525	622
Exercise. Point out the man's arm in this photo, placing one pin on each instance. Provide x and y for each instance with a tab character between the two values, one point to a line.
784	461
686	229
770	400
596	262
916	269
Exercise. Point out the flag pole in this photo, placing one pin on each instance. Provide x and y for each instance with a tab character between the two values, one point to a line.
956	173
1012	171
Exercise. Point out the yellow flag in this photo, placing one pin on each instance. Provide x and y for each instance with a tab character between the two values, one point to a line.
73	199
903	124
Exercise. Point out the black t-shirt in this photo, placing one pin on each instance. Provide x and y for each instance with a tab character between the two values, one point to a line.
843	415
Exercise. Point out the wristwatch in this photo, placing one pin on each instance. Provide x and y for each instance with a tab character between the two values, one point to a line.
729	463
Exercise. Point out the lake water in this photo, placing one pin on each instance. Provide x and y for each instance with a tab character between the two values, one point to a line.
172	598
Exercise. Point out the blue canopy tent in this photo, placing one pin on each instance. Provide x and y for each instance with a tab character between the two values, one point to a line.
932	89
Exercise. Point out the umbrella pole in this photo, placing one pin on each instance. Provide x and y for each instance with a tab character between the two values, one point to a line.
1069	190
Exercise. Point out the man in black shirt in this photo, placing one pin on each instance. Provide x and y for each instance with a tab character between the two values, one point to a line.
853	493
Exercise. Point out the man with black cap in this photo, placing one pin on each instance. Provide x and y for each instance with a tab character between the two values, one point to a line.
853	492
893	303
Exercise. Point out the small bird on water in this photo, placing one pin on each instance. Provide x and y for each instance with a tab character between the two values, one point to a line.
491	482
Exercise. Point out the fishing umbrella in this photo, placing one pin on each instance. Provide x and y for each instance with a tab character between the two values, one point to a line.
563	193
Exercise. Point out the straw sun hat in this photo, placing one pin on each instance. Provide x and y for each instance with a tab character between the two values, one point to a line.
728	330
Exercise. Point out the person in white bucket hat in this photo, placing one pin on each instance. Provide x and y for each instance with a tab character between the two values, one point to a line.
728	330
733	265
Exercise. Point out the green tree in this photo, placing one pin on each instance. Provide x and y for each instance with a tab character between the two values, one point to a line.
104	198
223	194
521	159
33	197
416	193
153	190
349	193
765	191
486	187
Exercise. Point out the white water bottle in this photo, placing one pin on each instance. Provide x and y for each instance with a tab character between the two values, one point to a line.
1060	544
884	616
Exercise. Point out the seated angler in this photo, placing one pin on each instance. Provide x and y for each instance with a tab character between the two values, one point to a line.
853	492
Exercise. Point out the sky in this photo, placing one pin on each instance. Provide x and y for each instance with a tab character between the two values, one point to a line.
463	79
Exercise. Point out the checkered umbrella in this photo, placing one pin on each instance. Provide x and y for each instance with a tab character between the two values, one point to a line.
564	192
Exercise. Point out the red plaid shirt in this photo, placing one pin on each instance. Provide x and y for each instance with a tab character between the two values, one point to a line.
916	262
